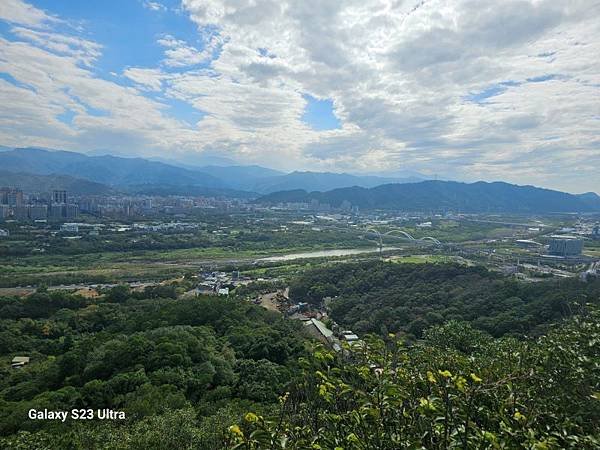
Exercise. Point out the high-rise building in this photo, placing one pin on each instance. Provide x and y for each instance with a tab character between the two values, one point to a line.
59	196
55	212
20	212
71	211
4	212
4	195
38	212
15	198
62	211
11	196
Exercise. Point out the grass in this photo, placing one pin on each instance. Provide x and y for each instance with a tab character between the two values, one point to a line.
427	259
135	265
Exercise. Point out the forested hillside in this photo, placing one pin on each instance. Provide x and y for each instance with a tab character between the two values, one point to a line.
452	366
387	297
208	357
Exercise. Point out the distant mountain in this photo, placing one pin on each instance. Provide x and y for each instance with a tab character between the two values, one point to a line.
32	183
592	199
241	177
295	196
165	190
448	196
263	180
120	172
320	181
109	170
194	160
406	174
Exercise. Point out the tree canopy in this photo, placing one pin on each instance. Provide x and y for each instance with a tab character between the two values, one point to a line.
409	298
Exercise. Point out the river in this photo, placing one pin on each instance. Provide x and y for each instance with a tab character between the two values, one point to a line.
324	254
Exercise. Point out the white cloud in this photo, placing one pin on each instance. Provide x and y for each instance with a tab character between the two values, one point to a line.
401	76
84	50
154	6
105	114
463	88
180	54
150	79
19	12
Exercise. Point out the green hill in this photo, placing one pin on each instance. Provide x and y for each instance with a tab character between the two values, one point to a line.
447	196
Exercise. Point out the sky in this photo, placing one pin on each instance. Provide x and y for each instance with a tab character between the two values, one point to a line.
460	89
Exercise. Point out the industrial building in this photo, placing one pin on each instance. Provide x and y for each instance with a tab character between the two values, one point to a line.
563	245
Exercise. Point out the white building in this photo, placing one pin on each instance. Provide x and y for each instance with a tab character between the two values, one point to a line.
69	228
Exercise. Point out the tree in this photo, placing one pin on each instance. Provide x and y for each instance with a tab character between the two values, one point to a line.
118	294
538	394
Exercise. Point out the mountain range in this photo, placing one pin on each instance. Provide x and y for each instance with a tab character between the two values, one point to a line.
41	170
142	175
446	196
109	170
46	183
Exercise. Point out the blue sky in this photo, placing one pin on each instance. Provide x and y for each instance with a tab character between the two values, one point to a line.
319	114
127	29
502	91
130	31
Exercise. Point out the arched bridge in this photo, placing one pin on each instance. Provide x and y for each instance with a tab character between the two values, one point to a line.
403	234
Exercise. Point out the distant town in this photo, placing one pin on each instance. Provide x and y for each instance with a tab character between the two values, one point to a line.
522	245
60	205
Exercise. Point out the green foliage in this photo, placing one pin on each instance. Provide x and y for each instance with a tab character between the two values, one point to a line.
149	357
118	294
259	287
409	298
260	380
185	370
502	394
456	335
176	429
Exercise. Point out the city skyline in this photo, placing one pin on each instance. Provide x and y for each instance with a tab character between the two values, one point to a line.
492	91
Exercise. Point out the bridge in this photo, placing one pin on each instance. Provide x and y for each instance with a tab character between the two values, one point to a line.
402	234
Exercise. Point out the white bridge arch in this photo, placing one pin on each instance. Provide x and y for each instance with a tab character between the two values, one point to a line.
403	234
